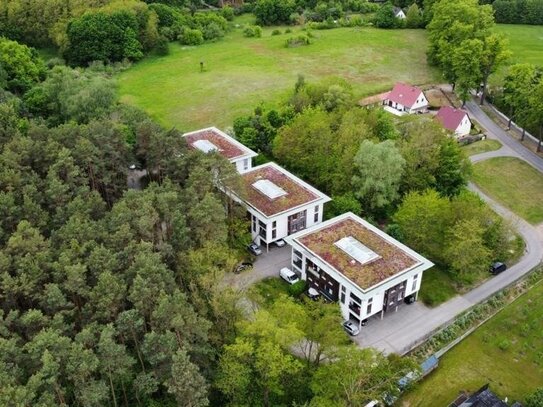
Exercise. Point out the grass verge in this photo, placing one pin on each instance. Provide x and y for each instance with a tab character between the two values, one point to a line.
513	183
482	146
436	287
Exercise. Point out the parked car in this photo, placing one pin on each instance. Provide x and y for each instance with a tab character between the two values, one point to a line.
498	268
254	249
410	299
313	294
351	328
288	275
280	243
245	265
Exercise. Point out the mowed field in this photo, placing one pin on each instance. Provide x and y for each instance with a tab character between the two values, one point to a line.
514	184
525	42
242	72
506	352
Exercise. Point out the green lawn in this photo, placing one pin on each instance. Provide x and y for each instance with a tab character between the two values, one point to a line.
525	42
242	72
265	292
436	287
482	146
506	352
513	183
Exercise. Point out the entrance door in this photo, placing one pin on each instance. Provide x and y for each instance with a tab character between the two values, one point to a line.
394	296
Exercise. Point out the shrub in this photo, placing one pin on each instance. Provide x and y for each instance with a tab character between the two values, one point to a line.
228	13
297	41
297	289
272	12
288	31
276	32
504	344
191	37
162	46
252	31
212	32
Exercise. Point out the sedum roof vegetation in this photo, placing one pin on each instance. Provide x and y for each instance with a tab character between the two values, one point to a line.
226	148
296	194
393	259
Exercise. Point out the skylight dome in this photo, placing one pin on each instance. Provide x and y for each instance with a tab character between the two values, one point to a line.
205	145
357	250
269	189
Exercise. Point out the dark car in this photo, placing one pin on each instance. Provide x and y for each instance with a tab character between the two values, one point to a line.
498	268
245	265
254	249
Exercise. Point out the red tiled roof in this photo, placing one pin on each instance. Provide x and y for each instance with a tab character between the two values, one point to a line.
450	117
226	148
296	193
393	259
404	94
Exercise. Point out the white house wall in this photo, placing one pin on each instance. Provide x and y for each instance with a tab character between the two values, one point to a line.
243	164
421	102
464	128
282	221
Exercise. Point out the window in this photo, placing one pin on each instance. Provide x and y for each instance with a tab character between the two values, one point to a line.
245	164
263	229
316	215
414	286
296	222
253	219
355	299
343	294
274	229
368	308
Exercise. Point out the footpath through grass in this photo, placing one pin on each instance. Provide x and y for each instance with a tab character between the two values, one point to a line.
242	72
506	352
513	183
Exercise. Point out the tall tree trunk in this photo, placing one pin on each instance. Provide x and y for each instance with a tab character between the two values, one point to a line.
112	390
523	133
266	397
483	91
453	86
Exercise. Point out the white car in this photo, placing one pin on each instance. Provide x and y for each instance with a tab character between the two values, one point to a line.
280	243
351	328
288	275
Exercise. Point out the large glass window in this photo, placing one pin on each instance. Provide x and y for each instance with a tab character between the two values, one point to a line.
316	214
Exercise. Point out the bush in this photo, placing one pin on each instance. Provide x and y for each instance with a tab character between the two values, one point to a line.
297	289
252	31
162	46
191	37
228	13
273	12
212	32
276	32
297	41
288	31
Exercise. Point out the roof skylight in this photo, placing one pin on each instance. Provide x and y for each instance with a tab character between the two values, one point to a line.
205	145
357	250
269	189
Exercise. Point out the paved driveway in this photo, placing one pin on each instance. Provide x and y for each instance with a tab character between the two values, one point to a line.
266	265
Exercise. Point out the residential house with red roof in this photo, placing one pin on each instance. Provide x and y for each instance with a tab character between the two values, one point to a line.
455	120
405	98
349	260
212	139
279	203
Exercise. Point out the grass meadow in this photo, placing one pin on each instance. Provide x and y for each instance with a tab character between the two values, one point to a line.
242	72
505	352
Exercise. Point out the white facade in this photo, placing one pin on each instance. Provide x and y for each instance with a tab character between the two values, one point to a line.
266	230
464	127
357	304
242	160
399	14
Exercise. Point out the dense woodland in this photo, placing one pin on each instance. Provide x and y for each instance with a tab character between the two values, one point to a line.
110	296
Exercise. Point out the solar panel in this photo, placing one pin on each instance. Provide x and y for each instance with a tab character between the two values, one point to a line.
356	250
269	189
205	145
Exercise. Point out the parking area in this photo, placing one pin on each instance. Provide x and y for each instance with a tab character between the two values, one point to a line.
266	265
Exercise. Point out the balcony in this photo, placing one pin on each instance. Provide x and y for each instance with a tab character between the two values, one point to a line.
354	308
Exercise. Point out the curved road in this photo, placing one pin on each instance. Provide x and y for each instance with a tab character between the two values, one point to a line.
412	325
